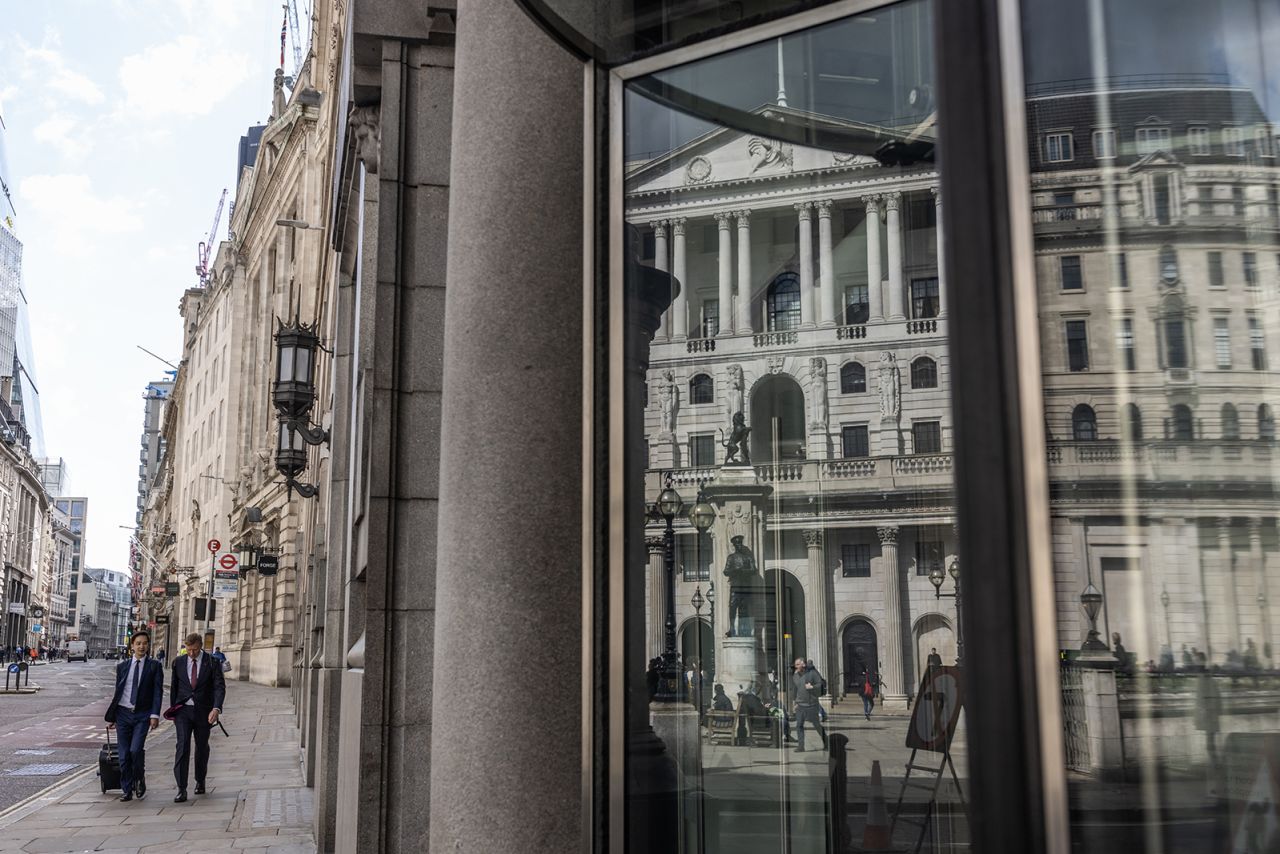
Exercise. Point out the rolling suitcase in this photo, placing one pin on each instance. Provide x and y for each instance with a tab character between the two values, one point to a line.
109	765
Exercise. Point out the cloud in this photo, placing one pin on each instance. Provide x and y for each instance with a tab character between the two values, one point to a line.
73	213
63	133
180	78
46	64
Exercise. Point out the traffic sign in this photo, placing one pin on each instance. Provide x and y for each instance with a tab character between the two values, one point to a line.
228	561
268	564
14	668
37	628
214	546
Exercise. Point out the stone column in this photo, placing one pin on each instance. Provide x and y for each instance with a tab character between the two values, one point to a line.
942	274
1259	559
806	264
726	273
680	307
1231	595
742	309
816	599
875	271
656	548
831	309
891	652
660	262
893	218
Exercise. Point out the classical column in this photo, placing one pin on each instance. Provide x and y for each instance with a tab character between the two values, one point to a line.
656	547
1232	603
1259	558
827	287
942	275
806	263
891	653
660	262
875	271
742	310
893	218
680	307
726	273
816	619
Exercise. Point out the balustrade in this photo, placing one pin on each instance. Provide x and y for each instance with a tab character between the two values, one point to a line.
847	333
774	339
701	345
921	327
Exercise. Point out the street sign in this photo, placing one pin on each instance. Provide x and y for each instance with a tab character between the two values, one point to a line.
171	588
37	628
224	588
17	607
214	546
14	668
228	561
162	619
268	564
157	589
225	573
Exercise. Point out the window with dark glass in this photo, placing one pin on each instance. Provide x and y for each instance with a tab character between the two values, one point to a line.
1072	279
1237	200
1182	423
853	378
783	303
857	309
1162	197
1168	265
1132	421
710	318
1230	422
1266	424
1057	147
1124	341
926	437
1104	144
1216	277
855	560
1257	343
702	389
929	555
1084	424
696	554
702	449
1077	345
1122	270
924	373
854	441
924	298
1175	343
1249	264
1222	342
1198	140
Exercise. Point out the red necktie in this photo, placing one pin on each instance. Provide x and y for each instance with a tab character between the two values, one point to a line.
193	676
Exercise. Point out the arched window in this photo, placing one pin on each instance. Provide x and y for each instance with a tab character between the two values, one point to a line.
853	378
1184	429
702	389
1084	424
1266	424
924	373
1230	422
784	303
1132	422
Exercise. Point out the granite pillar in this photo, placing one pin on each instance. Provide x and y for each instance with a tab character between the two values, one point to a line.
831	311
807	296
891	651
724	256
875	271
680	307
817	604
893	222
742	307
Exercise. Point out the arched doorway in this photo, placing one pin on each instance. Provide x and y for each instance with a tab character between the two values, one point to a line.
859	651
785	638
777	420
933	631
697	640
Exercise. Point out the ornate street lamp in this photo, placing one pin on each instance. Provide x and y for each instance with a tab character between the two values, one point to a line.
291	459
936	577
665	509
293	394
247	555
1091	601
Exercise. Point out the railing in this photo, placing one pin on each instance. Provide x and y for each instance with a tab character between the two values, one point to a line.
780	472
848	333
692	476
774	339
1183	461
701	345
935	469
921	327
850	468
1075	729
1067	213
936	464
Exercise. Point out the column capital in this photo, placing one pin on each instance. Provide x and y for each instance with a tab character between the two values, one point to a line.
873	202
659	227
1255	526
812	538
805	209
1224	524
655	545
888	535
892	201
744	217
677	226
723	218
824	208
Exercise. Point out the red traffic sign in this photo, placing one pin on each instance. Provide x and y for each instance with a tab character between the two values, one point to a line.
213	546
228	561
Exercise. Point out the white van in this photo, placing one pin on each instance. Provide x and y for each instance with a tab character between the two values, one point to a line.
77	651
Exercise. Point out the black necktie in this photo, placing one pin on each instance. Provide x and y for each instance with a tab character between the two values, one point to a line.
133	678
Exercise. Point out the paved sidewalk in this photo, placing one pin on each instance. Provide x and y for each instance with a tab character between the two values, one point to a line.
256	800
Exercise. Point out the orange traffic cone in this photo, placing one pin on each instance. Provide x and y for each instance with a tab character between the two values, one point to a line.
875	836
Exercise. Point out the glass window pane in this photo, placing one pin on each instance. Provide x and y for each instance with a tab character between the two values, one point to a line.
821	449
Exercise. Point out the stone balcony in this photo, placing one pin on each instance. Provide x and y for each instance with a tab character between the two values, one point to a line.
814	338
923	471
1163	461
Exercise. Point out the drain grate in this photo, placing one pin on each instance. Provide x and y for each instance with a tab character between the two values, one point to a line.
47	769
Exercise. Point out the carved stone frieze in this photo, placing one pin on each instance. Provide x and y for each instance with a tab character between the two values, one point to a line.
366	135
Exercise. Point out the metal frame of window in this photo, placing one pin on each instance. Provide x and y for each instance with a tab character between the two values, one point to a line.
1014	725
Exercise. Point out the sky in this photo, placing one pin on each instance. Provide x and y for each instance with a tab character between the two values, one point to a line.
123	119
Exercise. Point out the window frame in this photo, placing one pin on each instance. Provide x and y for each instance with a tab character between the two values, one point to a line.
709	386
847	431
926	425
1107	151
1199	140
1078	276
695	441
1232	137
851	563
1057	136
924	369
1083	325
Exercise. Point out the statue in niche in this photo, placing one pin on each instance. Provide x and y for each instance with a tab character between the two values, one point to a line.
737	443
818	374
889	388
736	386
744	584
669	399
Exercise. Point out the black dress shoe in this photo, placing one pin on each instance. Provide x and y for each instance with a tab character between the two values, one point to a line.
181	797
126	797
199	788
140	790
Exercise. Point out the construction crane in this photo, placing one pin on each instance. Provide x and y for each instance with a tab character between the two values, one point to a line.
206	246
291	12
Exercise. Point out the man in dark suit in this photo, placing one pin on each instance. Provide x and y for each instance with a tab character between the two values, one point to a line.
135	711
196	690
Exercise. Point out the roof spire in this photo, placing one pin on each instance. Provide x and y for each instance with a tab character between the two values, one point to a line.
782	85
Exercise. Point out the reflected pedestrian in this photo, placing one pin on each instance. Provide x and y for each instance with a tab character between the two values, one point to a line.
868	691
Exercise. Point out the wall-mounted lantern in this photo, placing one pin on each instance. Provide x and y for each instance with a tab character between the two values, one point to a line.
293	394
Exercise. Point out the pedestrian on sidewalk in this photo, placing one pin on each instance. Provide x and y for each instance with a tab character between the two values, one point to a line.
135	711
805	687
196	691
868	691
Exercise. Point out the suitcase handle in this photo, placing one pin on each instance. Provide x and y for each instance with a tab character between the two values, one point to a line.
108	736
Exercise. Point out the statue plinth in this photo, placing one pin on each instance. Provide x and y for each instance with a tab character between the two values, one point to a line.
736	665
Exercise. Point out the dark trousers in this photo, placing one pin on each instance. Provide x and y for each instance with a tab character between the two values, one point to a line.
132	727
808	714
190	722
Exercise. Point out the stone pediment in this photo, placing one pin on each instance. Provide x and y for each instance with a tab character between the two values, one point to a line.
728	155
1157	160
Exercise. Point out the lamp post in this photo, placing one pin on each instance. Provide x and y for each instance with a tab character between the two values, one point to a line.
697	602
1164	603
1091	601
936	577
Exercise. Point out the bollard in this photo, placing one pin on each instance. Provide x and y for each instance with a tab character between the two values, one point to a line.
839	836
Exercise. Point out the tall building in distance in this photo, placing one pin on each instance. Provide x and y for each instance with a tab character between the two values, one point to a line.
153	444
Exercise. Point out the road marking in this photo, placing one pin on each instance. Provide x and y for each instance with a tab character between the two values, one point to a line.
46	769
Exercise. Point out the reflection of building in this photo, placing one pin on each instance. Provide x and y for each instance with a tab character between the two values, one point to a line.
1156	216
811	302
152	443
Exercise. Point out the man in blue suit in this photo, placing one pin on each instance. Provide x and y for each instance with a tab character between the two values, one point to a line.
136	703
